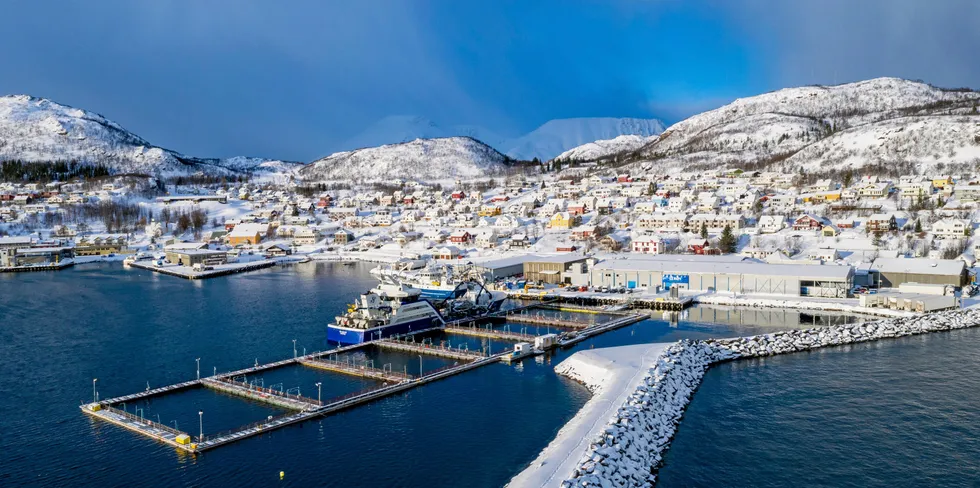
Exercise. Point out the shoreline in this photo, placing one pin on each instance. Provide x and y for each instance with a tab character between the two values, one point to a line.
611	374
628	449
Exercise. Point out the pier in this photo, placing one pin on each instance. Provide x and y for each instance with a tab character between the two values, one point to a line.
522	318
360	370
431	350
390	382
489	333
40	267
261	394
220	270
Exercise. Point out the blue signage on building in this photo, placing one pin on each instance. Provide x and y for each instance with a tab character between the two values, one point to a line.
671	279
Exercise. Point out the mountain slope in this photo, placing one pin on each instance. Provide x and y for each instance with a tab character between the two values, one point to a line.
421	159
37	129
880	121
593	151
396	129
557	136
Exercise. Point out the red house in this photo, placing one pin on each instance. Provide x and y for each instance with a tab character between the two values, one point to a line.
624	178
501	198
576	209
697	246
460	237
565	248
324	202
458	195
408	200
807	222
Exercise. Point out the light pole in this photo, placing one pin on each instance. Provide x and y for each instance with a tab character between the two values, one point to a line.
200	417
175	424
420	365
318	393
294	348
198	368
95	394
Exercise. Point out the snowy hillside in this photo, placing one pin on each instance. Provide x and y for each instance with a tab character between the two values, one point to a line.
544	143
600	149
421	159
558	136
37	129
884	120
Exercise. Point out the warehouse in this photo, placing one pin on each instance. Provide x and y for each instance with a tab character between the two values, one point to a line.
190	257
493	269
735	277
550	269
892	272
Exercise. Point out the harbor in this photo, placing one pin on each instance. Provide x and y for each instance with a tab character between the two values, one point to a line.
355	360
190	273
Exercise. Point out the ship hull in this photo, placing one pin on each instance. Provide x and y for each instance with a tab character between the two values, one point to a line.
347	335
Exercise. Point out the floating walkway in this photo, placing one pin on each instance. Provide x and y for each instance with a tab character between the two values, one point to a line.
40	267
521	318
360	370
262	394
488	333
303	408
430	350
220	270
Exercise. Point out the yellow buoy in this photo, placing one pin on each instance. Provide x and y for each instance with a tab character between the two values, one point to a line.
282	474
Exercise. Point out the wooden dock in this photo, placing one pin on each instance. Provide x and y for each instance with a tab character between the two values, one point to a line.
488	333
431	350
262	394
43	267
359	370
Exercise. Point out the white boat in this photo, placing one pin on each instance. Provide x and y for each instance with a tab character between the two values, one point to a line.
389	309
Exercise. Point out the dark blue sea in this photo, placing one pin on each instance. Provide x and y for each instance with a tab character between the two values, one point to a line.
132	328
893	413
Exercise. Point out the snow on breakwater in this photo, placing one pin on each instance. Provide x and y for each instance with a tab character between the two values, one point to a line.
629	450
829	306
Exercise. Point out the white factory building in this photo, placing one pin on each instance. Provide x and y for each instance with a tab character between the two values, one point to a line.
725	275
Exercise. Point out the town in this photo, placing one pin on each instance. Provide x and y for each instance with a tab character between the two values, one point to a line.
724	232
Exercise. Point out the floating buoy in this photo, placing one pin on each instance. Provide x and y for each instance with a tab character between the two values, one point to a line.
282	474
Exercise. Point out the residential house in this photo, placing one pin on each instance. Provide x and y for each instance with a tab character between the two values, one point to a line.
487	239
881	223
808	222
950	229
248	234
770	224
584	233
460	237
648	245
564	221
343	236
446	253
697	245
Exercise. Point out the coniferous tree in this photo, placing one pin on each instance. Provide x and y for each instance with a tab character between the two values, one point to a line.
704	230
728	241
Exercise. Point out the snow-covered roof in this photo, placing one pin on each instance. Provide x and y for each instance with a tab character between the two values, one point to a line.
919	266
803	271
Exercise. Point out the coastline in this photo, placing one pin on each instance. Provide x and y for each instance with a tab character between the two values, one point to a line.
611	374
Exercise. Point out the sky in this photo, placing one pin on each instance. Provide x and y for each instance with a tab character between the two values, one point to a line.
294	79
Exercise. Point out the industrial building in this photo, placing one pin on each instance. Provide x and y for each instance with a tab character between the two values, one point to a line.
190	257
892	272
725	276
551	269
502	268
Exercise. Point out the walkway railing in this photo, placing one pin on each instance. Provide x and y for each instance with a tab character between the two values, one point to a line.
143	420
268	391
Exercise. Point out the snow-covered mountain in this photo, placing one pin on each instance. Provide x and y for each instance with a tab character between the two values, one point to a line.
557	136
544	143
422	159
37	129
884	121
396	129
594	151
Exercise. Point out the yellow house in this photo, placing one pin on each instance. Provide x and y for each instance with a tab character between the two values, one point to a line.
247	234
831	196
489	211
564	220
942	181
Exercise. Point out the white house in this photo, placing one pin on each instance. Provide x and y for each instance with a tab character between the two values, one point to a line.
648	245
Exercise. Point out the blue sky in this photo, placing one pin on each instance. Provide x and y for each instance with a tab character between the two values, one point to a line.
294	79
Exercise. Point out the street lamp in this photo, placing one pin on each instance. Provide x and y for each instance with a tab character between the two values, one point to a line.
198	368
95	394
318	393
420	365
200	416
294	348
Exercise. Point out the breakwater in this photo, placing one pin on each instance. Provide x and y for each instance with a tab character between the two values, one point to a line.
630	448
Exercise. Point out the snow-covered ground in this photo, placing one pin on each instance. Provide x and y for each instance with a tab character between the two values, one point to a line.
611	374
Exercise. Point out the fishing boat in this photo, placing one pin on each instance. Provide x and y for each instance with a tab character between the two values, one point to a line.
391	308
